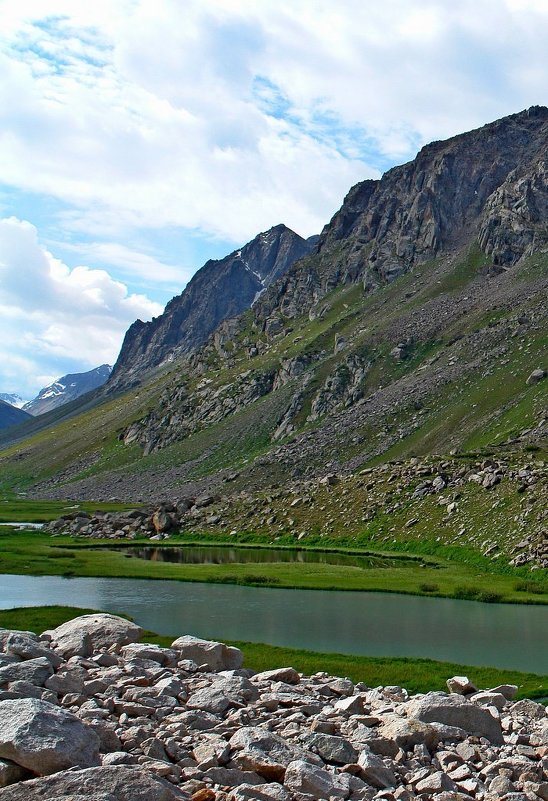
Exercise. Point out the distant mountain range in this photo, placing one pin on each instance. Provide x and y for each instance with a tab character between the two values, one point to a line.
13	399
65	389
11	415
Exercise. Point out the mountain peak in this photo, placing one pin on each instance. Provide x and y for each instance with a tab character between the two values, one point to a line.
221	289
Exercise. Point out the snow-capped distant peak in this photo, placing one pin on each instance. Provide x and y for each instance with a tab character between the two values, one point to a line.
13	399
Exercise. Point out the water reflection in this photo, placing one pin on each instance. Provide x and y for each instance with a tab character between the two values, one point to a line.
212	555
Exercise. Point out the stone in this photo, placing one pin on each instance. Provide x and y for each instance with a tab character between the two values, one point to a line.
265	792
263	752
455	710
216	655
288	675
461	685
84	635
302	777
21	644
408	732
10	773
332	748
110	783
45	738
35	671
536	376
374	771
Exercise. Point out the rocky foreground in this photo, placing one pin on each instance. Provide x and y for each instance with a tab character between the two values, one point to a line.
87	712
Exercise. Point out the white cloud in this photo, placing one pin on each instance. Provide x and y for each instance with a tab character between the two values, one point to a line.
51	316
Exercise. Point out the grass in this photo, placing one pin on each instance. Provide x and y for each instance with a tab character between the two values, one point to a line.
19	510
416	675
42	554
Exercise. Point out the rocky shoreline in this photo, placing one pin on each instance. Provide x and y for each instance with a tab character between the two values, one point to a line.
88	712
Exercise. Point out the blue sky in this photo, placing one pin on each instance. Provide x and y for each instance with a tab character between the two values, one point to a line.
139	139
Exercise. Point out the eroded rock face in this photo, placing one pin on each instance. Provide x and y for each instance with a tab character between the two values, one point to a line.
489	183
221	289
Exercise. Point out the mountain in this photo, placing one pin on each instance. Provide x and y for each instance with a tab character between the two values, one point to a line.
219	290
487	185
415	327
13	399
10	415
66	389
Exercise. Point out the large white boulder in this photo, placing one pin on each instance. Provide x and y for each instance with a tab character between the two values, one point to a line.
216	655
88	633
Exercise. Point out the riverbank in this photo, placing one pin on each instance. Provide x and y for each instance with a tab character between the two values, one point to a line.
90	711
417	675
38	553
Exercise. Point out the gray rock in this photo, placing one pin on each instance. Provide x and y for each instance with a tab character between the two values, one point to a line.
408	732
302	777
332	748
10	773
88	633
45	738
264	752
455	710
21	644
35	671
461	685
266	792
216	655
288	675
536	376
374	771
111	783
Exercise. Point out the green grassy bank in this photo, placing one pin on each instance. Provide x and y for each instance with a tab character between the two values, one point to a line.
37	553
416	675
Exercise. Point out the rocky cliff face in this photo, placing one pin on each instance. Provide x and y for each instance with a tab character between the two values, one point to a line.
220	290
490	184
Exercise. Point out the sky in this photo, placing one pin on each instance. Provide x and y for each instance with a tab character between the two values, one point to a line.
140	138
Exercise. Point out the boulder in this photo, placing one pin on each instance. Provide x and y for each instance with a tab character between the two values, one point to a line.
461	685
88	633
264	752
33	671
10	773
455	710
45	738
302	777
110	783
408	732
216	655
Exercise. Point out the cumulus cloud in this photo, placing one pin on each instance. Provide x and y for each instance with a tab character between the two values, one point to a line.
53	318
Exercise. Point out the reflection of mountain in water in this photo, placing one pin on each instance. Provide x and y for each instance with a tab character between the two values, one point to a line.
193	555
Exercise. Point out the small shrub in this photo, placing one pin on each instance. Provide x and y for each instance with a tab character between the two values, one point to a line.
429	587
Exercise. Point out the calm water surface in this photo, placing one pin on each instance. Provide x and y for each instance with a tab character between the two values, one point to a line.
374	624
214	555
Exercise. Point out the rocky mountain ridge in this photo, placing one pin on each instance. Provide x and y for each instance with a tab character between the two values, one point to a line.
10	415
66	389
488	185
220	289
87	711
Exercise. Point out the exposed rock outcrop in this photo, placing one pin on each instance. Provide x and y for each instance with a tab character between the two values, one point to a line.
219	290
489	183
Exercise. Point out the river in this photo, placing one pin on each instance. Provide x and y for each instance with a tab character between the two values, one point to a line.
364	623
